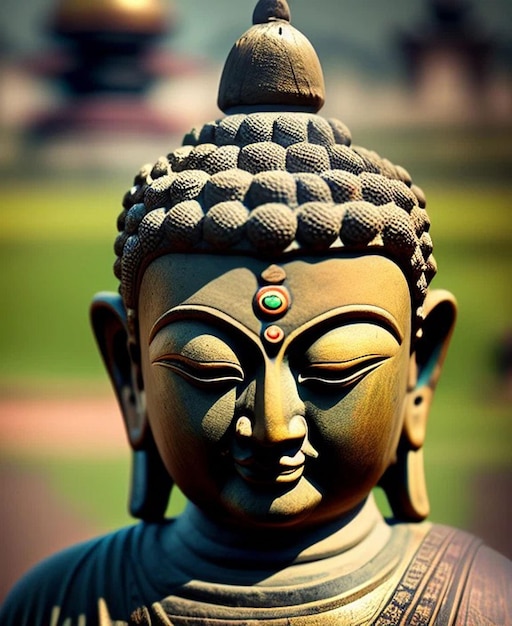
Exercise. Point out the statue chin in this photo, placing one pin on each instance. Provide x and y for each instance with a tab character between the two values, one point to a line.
267	508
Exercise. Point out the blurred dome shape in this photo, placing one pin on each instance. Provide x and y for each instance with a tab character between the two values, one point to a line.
109	61
149	17
450	11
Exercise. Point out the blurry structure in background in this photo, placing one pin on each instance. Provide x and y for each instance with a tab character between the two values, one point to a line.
107	66
125	68
107	60
449	62
503	362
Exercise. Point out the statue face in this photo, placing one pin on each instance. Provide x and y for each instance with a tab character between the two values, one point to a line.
274	402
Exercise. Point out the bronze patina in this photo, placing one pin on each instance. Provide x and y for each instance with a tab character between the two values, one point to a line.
274	348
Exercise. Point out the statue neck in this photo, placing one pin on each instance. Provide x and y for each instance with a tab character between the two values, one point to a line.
227	553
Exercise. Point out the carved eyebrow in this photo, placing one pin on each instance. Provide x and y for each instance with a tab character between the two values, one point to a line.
200	312
356	313
351	313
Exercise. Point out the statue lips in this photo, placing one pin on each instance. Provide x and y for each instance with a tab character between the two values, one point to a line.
286	469
282	463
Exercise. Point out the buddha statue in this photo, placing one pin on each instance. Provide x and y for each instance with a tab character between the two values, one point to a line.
274	348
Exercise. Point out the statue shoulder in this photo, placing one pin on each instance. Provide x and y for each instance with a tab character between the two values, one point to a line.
71	583
453	579
487	596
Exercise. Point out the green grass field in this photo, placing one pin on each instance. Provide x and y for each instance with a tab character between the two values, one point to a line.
56	252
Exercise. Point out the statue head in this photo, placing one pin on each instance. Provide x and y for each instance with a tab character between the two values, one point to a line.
275	344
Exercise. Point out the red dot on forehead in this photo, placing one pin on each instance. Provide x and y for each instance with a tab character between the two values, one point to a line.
274	334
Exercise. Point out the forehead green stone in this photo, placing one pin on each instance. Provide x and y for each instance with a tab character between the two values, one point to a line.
272	302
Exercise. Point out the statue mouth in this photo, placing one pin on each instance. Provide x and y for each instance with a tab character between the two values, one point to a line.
282	462
286	469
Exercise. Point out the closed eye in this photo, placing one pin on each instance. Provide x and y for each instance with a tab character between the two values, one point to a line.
202	372
341	374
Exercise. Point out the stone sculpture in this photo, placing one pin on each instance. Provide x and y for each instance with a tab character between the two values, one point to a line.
274	349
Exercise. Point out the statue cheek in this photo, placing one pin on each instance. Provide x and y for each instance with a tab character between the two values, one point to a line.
358	429
182	414
219	417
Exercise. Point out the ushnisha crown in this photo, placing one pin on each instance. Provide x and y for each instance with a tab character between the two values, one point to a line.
273	178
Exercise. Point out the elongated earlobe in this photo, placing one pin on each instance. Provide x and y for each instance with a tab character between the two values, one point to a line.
108	320
426	363
405	486
150	481
404	481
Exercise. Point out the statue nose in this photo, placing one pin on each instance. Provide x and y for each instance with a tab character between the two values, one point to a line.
296	431
273	411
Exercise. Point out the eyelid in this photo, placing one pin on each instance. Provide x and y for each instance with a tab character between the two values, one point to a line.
348	315
354	370
206	372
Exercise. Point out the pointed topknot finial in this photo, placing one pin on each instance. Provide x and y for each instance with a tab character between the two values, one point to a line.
269	10
272	67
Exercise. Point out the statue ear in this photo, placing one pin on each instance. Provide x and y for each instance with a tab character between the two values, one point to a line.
150	482
121	359
426	363
404	480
